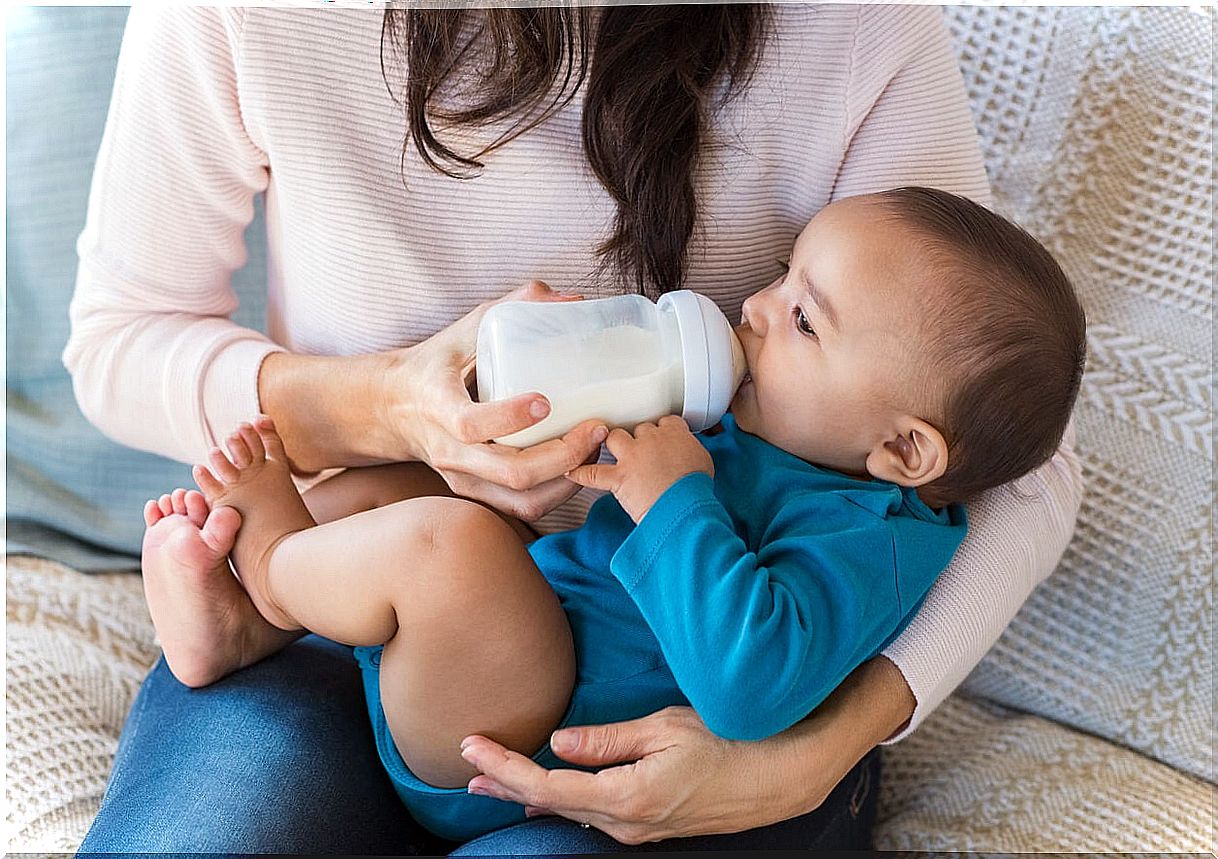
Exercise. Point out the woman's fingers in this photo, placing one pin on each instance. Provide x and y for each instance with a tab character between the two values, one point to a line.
595	476
528	505
473	423
513	777
523	468
614	743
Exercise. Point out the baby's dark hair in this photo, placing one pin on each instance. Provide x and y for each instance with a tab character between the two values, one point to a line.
1008	340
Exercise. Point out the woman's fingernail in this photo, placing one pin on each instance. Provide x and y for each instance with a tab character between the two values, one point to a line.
600	434
563	741
477	791
539	409
468	753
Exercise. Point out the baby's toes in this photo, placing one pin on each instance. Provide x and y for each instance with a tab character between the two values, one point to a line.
270	438
252	440
239	451
166	505
178	499
207	481
196	508
221	467
219	532
152	513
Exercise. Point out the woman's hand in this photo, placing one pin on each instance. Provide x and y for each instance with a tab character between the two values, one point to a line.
677	779
427	401
683	780
414	404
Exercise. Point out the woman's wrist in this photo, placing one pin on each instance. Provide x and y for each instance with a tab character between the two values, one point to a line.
871	704
329	410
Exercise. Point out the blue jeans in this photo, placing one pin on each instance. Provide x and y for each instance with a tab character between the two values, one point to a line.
279	757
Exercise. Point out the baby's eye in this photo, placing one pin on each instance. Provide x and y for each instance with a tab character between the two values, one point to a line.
801	322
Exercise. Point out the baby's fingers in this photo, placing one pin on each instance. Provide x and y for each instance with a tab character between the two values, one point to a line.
595	476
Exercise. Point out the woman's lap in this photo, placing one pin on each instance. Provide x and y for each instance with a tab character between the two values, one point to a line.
275	758
279	757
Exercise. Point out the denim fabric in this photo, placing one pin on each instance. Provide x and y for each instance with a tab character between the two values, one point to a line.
280	758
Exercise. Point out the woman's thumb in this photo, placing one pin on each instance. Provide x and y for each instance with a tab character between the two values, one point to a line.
591	745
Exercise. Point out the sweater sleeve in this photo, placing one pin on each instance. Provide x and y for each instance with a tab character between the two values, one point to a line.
155	360
779	628
909	123
1017	534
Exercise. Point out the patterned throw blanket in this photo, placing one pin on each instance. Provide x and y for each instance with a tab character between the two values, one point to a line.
1088	727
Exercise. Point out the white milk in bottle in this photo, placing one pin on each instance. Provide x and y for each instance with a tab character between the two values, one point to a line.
622	360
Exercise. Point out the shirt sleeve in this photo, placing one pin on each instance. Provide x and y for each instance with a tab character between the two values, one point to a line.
909	123
156	362
756	640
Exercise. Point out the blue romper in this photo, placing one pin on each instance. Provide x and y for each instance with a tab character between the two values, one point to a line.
749	597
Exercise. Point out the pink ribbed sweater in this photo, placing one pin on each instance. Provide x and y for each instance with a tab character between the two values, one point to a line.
214	105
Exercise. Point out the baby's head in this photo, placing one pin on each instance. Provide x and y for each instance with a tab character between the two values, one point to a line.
919	338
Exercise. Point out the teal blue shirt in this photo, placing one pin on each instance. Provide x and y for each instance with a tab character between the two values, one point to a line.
767	585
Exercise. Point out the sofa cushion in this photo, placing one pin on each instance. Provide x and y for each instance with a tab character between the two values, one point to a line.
73	494
980	777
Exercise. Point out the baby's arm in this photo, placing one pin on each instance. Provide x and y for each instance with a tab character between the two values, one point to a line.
757	640
779	628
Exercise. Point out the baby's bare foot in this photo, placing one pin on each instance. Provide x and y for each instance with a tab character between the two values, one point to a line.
206	624
254	480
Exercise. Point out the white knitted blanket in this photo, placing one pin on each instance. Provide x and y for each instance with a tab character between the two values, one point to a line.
1096	729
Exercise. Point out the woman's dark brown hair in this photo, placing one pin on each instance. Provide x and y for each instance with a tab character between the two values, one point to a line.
653	74
1009	341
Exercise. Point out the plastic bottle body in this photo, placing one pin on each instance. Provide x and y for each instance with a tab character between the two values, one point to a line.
620	360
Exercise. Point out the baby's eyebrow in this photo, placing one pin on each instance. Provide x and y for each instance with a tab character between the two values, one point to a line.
820	300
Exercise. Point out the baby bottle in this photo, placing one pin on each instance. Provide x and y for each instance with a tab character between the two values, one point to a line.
623	360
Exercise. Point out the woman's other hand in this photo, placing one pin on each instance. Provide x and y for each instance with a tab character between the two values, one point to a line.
674	778
414	404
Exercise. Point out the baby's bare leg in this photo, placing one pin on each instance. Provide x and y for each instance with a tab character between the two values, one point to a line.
366	488
475	639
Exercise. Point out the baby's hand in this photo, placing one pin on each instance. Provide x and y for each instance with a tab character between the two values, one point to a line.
650	461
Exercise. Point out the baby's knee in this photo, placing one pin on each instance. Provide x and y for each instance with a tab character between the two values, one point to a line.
457	525
463	539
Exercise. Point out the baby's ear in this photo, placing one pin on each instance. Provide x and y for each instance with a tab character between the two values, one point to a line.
914	454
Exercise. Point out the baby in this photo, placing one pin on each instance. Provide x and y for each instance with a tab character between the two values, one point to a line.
918	350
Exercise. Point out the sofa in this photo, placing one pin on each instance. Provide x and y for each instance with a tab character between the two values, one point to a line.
1087	728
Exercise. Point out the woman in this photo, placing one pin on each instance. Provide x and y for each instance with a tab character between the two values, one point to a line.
686	152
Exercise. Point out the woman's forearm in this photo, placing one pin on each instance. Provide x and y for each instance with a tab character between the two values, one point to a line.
328	409
869	706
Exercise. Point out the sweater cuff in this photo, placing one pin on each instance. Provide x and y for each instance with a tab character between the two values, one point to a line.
641	549
922	683
230	386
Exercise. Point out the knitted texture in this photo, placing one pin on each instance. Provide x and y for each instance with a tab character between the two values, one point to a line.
979	777
1096	127
77	649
